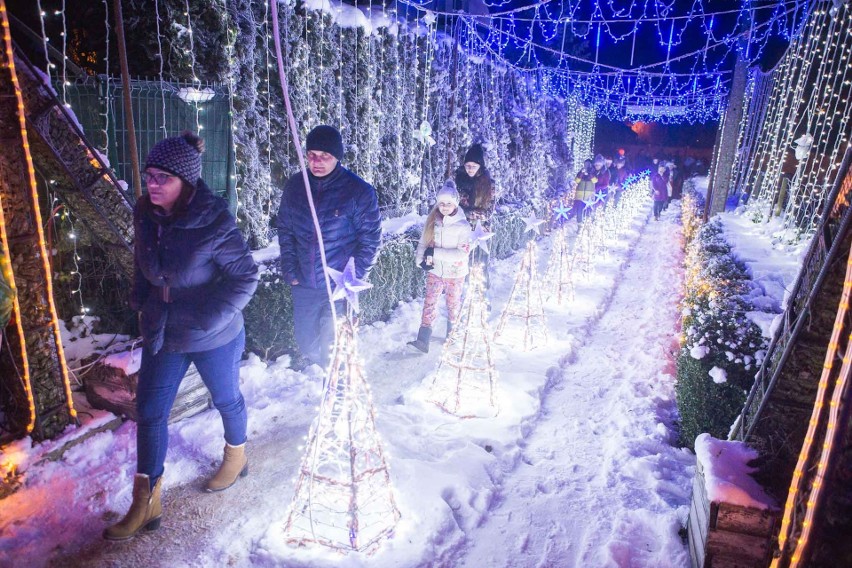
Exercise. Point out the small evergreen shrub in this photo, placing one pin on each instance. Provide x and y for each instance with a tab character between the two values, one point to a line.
721	347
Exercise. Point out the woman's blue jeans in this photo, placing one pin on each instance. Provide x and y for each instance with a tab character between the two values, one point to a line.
159	379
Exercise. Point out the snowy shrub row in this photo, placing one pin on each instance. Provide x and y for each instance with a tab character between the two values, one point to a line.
395	278
721	347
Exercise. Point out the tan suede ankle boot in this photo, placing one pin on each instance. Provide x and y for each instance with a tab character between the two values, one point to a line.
145	510
234	465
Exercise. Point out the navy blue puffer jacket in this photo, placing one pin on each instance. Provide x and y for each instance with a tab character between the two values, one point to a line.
348	213
194	275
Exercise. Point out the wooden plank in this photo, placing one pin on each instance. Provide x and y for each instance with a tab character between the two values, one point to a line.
745	547
723	561
110	389
695	537
748	520
700	487
75	440
701	518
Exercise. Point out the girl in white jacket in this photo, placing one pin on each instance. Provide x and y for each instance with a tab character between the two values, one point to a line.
443	252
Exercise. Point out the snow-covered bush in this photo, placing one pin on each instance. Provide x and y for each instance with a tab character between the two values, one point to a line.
721	346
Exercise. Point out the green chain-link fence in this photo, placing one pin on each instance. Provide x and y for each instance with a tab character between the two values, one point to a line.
160	109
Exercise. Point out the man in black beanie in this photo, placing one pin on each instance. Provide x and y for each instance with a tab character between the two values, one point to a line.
348	213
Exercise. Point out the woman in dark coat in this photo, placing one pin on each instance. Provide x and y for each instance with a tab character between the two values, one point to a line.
476	198
194	276
659	189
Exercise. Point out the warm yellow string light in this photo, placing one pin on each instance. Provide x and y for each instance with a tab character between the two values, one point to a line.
804	455
7	43
7	39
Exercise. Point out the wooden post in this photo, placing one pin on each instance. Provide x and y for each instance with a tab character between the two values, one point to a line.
727	142
128	104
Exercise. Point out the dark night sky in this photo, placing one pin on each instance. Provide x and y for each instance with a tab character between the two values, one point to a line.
87	30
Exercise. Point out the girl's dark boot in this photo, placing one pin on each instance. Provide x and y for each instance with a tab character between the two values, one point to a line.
422	341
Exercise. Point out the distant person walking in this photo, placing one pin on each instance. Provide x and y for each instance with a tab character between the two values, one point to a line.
659	189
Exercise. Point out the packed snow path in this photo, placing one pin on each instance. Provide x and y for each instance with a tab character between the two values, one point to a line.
599	482
578	469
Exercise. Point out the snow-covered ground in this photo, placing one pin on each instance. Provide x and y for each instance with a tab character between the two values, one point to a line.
578	468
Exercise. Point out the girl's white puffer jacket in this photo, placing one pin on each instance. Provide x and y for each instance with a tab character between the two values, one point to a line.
451	233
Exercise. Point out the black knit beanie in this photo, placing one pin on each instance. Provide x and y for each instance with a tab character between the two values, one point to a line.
475	154
178	155
325	138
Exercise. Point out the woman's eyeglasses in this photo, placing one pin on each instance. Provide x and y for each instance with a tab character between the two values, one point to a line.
159	178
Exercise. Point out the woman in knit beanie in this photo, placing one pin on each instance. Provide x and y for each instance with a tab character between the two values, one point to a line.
194	276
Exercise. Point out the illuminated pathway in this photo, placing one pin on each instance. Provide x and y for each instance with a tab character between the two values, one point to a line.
599	483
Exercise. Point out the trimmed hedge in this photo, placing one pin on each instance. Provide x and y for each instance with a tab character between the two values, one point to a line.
395	278
717	334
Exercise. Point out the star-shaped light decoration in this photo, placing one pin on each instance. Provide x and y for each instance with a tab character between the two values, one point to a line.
479	237
347	285
561	211
424	134
589	204
533	224
600	196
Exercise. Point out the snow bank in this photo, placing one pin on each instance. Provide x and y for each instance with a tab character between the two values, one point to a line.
727	473
774	266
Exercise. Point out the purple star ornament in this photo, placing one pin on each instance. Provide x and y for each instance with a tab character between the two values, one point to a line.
347	285
479	237
533	224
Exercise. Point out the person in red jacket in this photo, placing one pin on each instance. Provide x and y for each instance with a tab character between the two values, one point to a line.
659	189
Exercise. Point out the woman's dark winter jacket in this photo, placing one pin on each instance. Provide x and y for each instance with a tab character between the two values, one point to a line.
659	187
348	213
476	195
194	274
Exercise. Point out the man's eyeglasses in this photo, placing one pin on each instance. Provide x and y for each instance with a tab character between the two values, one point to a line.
159	178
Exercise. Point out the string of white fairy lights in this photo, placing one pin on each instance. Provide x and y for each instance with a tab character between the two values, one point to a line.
161	62
195	80
802	105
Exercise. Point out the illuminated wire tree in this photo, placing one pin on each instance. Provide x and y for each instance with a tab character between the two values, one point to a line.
344	499
558	280
525	300
465	382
